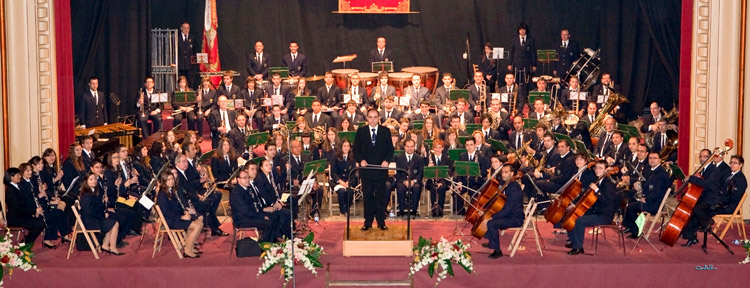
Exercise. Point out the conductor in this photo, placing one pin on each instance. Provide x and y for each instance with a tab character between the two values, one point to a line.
373	146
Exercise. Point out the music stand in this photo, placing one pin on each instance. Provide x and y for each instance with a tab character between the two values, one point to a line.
470	128
343	59
455	154
544	95
417	124
466	169
303	102
530	123
256	139
459	93
386	66
546	57
349	135
436	172
498	145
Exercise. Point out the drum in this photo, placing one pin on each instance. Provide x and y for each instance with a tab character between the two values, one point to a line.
340	77
429	75
369	80
399	80
291	82
586	68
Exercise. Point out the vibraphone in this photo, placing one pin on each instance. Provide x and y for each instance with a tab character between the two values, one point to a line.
124	132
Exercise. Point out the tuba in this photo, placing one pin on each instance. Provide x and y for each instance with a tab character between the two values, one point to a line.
614	100
319	134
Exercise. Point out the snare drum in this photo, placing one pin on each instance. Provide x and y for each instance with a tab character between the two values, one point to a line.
429	75
341	77
399	80
369	80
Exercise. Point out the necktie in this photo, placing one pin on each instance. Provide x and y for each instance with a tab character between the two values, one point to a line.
270	179
124	171
381	53
518	140
297	159
315	120
437	161
258	57
293	57
344	158
663	136
355	91
96	99
387	115
416	91
523	41
408	159
276	91
223	118
251	93
730	177
227	158
486	134
471	158
565	45
373	136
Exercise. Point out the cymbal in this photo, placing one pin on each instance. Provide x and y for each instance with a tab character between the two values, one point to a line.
314	78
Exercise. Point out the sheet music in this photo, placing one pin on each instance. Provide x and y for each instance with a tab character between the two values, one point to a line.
404	100
146	202
159	97
581	95
505	97
348	97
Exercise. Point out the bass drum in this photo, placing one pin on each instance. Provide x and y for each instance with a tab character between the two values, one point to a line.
399	80
429	75
369	80
341	77
586	68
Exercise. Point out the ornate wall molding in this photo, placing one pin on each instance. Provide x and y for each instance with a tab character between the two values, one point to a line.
700	78
46	73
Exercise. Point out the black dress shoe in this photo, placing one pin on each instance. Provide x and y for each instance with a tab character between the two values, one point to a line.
575	251
496	254
568	245
135	233
690	242
219	233
633	236
113	252
365	228
383	227
707	227
49	246
626	230
64	240
486	245
188	256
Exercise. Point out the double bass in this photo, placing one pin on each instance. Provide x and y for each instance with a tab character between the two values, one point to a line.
691	194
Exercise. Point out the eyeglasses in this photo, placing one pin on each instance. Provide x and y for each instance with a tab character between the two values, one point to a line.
246	177
734	162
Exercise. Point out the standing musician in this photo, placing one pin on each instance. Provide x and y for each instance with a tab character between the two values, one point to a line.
238	137
186	51
270	200
297	62
207	100
221	121
252	101
22	210
471	182
247	206
442	97
177	215
488	67
341	165
380	53
653	189
380	92
602	212
510	216
552	181
227	88
257	62
417	91
567	52
93	107
438	187
195	194
186	108
372	147
151	111
411	181
522	56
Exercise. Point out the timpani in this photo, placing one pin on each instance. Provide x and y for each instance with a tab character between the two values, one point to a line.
399	80
369	80
341	77
429	75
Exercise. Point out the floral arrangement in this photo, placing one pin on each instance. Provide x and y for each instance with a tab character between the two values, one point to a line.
14	256
305	252
745	244
440	255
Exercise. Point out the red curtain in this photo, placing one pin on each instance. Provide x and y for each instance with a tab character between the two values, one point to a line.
64	57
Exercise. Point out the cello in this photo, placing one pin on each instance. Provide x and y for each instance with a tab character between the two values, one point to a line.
488	190
494	205
556	211
584	204
691	194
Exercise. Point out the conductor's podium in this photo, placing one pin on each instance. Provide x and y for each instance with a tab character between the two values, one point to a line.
376	242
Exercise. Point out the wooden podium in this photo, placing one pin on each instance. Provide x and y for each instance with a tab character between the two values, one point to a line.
376	242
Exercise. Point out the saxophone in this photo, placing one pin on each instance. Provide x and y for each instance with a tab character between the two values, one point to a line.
483	95
377	96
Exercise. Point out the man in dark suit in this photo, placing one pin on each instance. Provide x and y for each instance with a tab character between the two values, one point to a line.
297	164
151	111
247	207
87	155
329	94
205	205
519	136
410	181
442	96
538	112
567	52
297	62
380	53
186	50
238	136
600	92
475	91
93	106
316	117
463	112
711	178
653	189
573	90
509	90
417	92
564	170
273	121
602	212
352	114
356	89
278	88
221	121
510	216
424	112
227	88
438	187
618	151
373	146
591	114
522	54
605	138
252	102
660	136
472	154
649	122
257	62
389	111
270	197
380	92
488	67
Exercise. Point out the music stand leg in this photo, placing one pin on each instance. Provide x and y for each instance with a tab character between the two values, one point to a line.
705	241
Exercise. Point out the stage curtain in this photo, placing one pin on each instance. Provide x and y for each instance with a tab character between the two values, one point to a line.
111	40
638	39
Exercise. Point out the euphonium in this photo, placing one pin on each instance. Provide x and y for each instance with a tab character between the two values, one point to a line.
614	100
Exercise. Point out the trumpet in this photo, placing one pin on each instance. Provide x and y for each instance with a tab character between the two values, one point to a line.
199	99
143	105
178	111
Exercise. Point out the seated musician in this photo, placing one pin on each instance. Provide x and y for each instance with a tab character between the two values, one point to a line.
397	145
423	112
652	190
352	114
402	129
541	86
482	146
204	204
238	137
279	89
356	89
618	152
442	97
278	165
188	109
573	90
602	212
591	113
221	121
316	117
722	192
47	193
330	145
509	89
309	146
342	163
605	138
537	142
600	92
551	159
474	92
207	101
455	125
552	181
417	92
510	216
178	214
147	110
274	121
661	140
451	139
120	182
471	182
157	157
73	170
270	197
539	108
171	147
329	95
430	129
21	208
140	153
224	161
124	217
380	92
252	102
505	125
227	88
520	135
559	128
438	187
409	185
87	143
247	206
345	125
297	163
93	214
389	110
463	112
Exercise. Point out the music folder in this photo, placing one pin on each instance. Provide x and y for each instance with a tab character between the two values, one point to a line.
386	66
436	172
348	97
274	100
466	168
159	98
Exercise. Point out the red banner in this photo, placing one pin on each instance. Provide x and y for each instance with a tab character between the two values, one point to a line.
374	6
210	41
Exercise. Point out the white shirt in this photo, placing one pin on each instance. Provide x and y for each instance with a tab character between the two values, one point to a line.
225	116
565	43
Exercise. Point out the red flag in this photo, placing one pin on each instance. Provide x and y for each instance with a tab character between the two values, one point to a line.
211	41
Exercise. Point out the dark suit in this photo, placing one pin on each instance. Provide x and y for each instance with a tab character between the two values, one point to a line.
340	170
223	90
324	120
149	107
600	89
603	145
522	55
192	118
190	189
284	91
711	178
548	184
474	97
566	56
488	68
648	121
257	66
93	112
417	96
394	114
656	184
516	143
298	67
221	169
21	210
620	155
252	100
215	121
376	57
389	91
270	120
247	211
353	119
373	181
602	212
565	95
186	49
415	169
472	182
510	216
239	140
467	115
521	97
329	97
268	198
437	194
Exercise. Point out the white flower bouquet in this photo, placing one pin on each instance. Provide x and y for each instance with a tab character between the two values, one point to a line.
440	256
306	252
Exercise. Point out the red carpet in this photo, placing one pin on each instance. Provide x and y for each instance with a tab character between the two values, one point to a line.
675	267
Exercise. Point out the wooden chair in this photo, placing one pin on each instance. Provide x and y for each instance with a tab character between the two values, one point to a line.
241	231
520	232
176	236
79	228
9	229
736	217
447	206
661	212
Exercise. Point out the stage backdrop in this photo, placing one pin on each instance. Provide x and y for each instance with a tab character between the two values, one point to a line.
374	6
639	39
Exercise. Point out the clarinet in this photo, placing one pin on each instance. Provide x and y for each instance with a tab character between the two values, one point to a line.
179	201
36	201
105	198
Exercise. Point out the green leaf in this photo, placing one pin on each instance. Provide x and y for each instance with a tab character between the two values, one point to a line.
450	267
431	269
465	268
310	237
424	242
2	273
314	262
